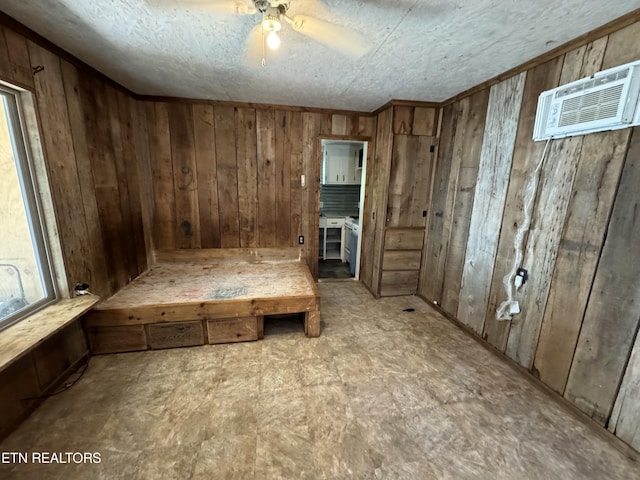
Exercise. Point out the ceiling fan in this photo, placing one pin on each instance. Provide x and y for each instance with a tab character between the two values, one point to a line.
273	14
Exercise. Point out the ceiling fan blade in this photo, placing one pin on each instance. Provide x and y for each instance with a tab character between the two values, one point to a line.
237	7
254	47
339	38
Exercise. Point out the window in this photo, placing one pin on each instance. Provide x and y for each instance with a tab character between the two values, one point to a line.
26	282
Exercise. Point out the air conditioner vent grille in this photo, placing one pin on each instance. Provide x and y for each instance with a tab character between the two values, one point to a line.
594	82
598	105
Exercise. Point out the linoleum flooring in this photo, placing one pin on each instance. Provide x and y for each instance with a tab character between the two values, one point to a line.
382	394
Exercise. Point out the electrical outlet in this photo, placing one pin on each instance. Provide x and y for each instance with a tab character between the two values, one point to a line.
301	240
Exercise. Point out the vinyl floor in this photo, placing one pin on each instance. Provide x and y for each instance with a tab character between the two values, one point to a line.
382	394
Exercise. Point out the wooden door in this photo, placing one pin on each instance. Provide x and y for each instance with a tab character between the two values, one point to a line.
410	181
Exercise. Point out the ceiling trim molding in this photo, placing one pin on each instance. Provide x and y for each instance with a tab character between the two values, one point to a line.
11	23
606	29
406	103
257	106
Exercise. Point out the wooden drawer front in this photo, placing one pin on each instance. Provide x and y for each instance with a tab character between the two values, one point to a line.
403	239
178	334
402	260
125	338
227	330
399	283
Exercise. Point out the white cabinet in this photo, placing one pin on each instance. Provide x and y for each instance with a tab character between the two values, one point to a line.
340	165
331	239
333	172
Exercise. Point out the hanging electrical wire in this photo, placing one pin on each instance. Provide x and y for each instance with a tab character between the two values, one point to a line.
510	306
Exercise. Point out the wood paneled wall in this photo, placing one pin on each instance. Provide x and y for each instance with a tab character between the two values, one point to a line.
579	316
88	135
398	193
225	176
373	224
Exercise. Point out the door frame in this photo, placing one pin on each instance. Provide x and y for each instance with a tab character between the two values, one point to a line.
367	140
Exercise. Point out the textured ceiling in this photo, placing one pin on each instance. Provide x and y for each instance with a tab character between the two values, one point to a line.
424	50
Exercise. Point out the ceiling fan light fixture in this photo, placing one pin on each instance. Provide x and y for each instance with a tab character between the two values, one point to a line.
271	23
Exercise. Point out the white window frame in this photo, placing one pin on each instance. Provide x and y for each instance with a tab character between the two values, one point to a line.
30	178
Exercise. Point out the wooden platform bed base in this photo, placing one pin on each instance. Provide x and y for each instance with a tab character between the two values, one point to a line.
196	297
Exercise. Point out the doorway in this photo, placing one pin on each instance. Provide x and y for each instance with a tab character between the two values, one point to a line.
343	165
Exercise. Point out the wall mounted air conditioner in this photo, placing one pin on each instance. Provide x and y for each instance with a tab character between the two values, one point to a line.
606	101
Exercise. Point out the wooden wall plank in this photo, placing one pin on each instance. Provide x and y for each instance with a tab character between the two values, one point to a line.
579	250
404	150
5	62
58	353
403	120
467	146
141	136
106	180
373	234
99	280
293	150
266	150
367	126
625	418
19	60
526	156
622	46
164	217
247	176
495	163
18	382
424	121
547	223
117	129
437	233
339	125
541	248
423	169
126	108
227	172
611	318
205	157
185	176
62	167
311	197
283	184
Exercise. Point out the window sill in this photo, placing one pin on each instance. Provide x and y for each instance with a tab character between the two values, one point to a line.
24	336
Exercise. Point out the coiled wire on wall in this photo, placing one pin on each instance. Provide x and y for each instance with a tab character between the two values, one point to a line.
510	306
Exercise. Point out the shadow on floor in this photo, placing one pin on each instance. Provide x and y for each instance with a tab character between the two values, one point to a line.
333	269
282	325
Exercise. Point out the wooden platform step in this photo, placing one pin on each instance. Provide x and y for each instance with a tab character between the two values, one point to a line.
154	336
